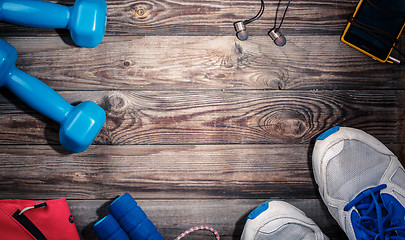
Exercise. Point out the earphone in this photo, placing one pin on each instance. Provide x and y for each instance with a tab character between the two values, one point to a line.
240	26
241	32
274	33
278	38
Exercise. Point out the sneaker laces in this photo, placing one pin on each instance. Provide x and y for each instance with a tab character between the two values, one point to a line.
376	216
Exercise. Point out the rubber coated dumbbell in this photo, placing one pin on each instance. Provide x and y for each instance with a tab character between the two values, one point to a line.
133	219
79	124
86	19
126	217
109	229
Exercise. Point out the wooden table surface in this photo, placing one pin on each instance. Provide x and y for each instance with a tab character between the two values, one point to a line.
201	127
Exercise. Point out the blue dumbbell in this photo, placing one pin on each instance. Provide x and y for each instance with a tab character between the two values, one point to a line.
108	229
79	124
86	19
133	219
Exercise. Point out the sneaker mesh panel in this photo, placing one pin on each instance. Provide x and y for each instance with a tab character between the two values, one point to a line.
399	177
355	168
288	231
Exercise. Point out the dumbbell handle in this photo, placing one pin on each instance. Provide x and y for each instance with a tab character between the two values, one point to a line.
34	13
37	95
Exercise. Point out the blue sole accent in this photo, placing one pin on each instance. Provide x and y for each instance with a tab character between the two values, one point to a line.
327	133
258	210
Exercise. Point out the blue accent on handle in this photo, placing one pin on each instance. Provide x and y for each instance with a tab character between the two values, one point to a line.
133	219
327	133
86	19
108	229
79	124
258	210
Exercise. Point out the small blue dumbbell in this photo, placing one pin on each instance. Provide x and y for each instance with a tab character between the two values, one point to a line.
86	19
79	124
109	229
133	219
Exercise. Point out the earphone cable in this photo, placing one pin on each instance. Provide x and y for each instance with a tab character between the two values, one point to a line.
258	15
282	19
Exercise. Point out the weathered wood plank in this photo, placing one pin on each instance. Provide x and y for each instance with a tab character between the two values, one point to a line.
157	172
402	103
173	63
215	117
160	172
208	17
172	217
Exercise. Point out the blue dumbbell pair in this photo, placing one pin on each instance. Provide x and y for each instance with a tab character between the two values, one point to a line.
126	221
86	20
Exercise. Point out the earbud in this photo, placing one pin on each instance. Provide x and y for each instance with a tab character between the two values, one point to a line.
277	37
274	33
241	32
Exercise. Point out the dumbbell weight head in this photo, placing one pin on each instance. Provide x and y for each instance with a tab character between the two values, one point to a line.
87	22
133	219
81	126
109	229
8	57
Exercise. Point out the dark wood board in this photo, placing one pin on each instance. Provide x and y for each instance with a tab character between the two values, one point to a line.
203	63
216	117
161	172
158	172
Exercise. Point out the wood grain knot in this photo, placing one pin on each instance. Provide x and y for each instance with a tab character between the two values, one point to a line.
140	12
79	177
115	103
285	125
127	63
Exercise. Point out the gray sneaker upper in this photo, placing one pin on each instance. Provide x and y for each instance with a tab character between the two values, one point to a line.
348	164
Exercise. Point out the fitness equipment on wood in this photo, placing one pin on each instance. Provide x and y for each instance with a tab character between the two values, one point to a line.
130	217
79	124
86	19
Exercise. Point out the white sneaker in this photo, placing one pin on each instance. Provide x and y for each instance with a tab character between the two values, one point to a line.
280	221
362	184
